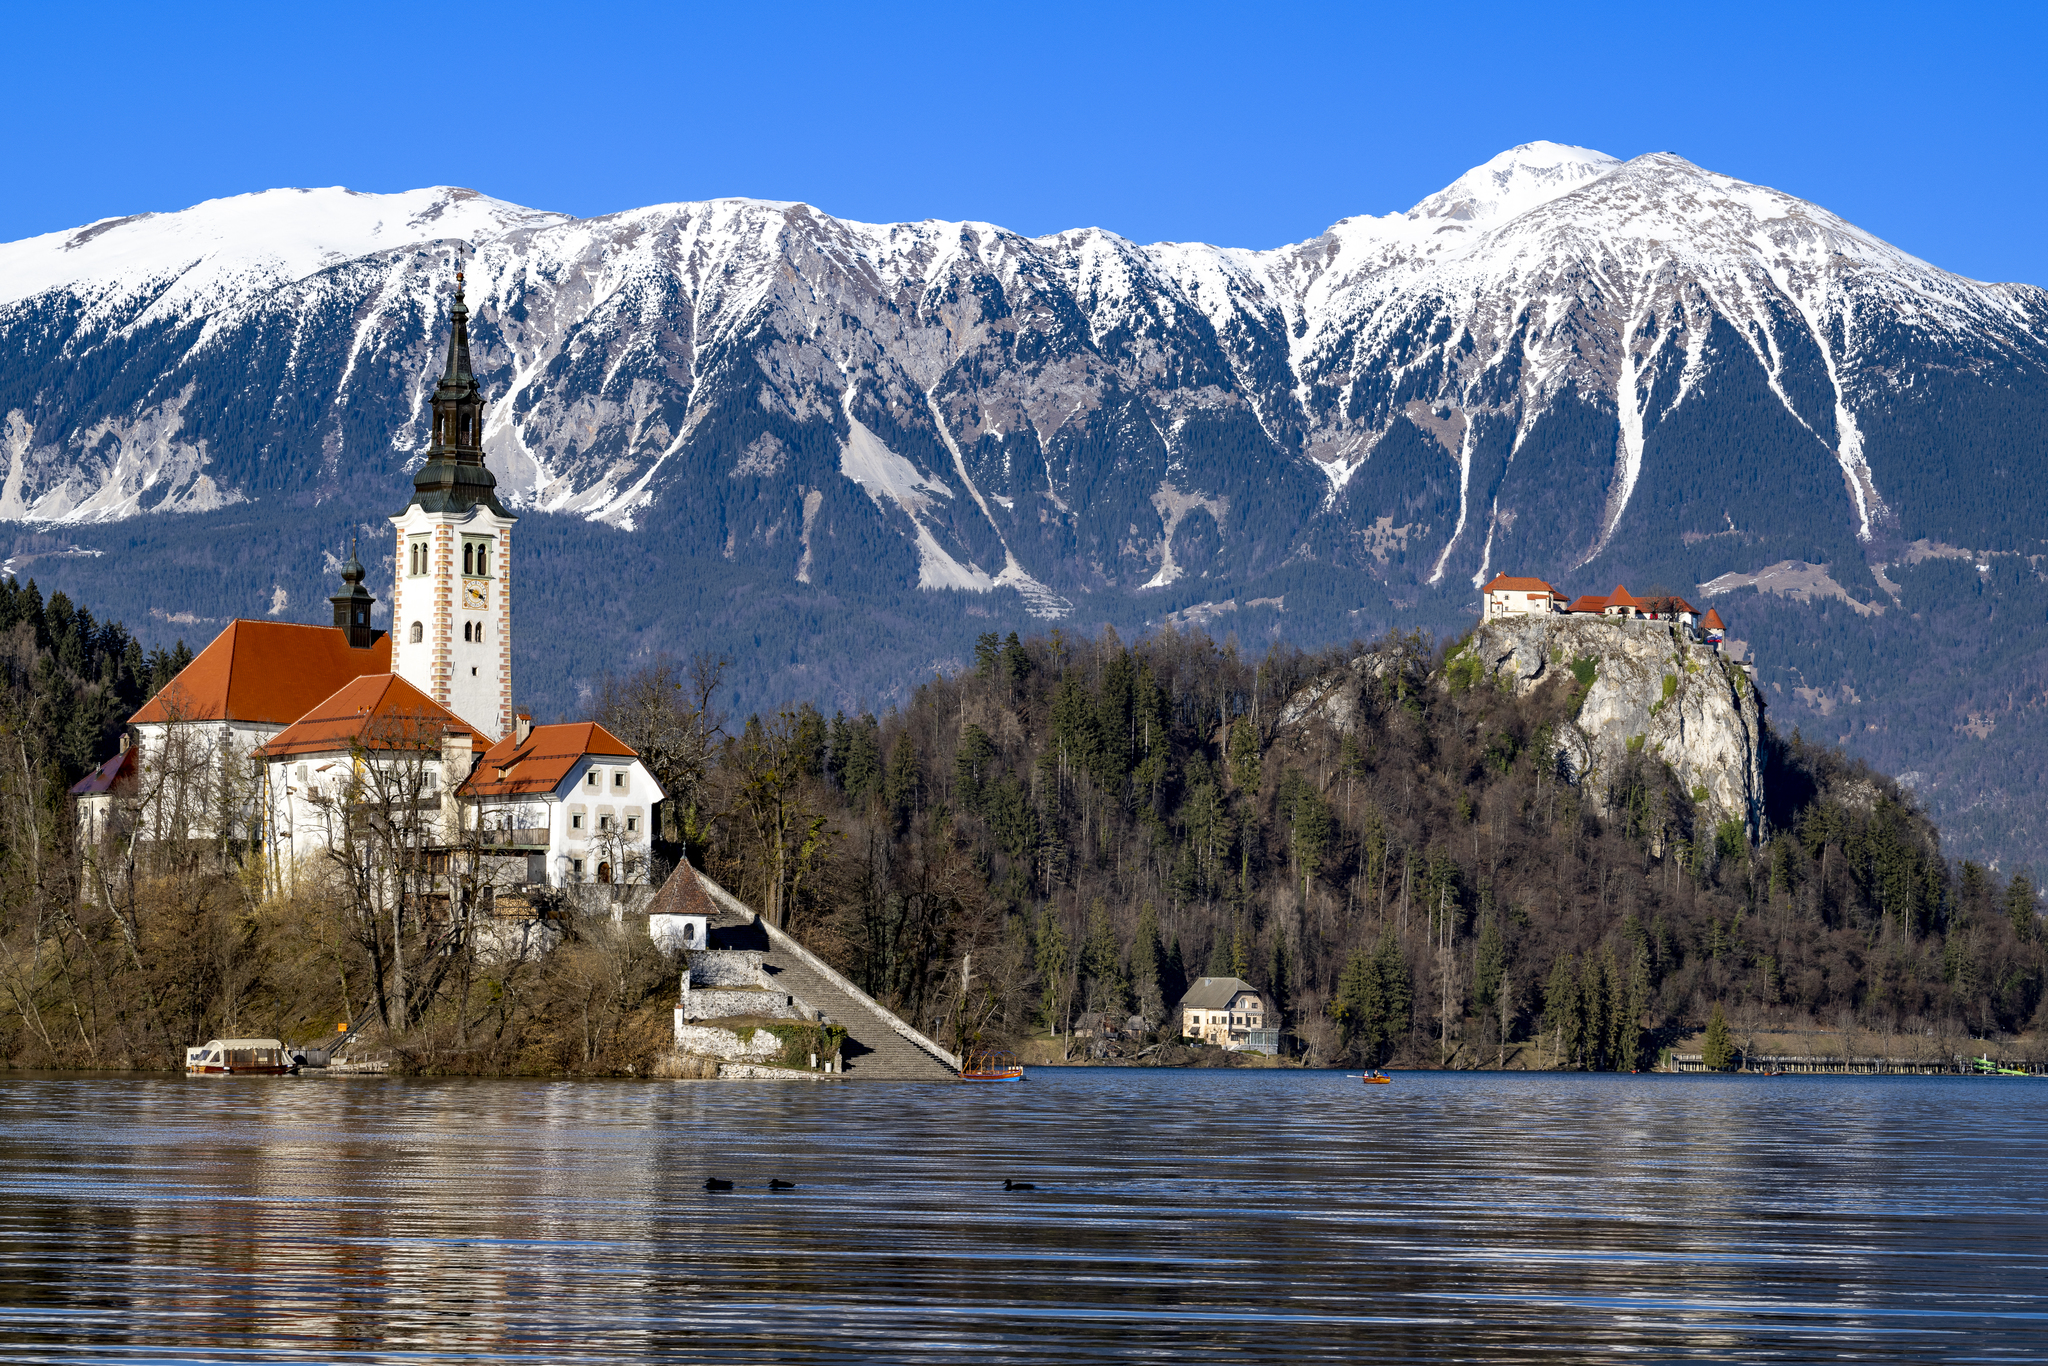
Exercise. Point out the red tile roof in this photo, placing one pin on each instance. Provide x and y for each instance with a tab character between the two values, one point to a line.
1504	584
683	894
1712	621
103	778
381	711
264	671
1620	598
1589	603
510	768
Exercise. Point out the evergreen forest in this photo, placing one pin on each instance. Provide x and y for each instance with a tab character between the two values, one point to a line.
1097	825
1051	844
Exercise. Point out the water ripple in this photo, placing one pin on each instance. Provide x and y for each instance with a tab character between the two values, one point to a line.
1219	1215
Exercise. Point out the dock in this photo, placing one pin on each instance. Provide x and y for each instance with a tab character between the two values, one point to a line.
1839	1064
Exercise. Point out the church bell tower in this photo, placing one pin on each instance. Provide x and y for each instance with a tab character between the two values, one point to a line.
451	598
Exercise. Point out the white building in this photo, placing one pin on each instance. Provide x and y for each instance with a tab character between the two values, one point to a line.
575	799
1506	596
451	596
342	721
1230	1012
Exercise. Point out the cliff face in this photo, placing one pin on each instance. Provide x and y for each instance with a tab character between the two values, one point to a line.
1653	688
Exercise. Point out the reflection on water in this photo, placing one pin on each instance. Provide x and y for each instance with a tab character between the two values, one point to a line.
1249	1215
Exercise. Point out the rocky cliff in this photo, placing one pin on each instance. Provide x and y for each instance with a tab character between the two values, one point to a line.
1644	686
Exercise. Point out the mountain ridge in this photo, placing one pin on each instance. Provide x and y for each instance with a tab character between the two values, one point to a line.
1562	363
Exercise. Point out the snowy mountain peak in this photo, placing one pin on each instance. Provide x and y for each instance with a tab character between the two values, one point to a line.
223	251
1516	181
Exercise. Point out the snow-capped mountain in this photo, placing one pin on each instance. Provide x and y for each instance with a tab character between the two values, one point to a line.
1528	368
1561	364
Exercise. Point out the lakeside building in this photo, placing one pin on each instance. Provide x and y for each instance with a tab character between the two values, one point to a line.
1230	1012
291	737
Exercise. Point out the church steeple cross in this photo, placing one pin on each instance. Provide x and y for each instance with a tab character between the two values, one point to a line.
458	405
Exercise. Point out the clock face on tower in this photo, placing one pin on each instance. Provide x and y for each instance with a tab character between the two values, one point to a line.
474	595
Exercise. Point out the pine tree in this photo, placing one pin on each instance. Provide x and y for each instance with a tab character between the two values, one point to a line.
2019	905
1052	970
906	780
1717	1053
1278	984
1561	1011
1145	966
1489	962
1244	756
1102	960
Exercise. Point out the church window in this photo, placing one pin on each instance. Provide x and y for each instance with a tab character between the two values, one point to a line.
419	632
465	630
418	559
468	551
476	558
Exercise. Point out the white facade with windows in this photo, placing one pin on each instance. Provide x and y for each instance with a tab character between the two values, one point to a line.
451	612
580	818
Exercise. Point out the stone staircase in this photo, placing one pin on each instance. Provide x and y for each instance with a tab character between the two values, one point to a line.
879	1046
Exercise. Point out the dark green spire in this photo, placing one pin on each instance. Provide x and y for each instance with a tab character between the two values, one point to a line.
454	479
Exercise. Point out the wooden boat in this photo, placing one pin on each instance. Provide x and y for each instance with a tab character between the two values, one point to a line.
1377	1078
240	1058
991	1064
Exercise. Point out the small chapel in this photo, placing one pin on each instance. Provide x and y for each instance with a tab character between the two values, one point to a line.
312	708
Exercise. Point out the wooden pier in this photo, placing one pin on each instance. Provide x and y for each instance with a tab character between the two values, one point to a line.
1815	1063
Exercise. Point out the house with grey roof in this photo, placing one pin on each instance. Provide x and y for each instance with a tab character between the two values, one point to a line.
1231	1013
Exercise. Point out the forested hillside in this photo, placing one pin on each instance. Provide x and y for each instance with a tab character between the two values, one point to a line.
1076	828
1387	849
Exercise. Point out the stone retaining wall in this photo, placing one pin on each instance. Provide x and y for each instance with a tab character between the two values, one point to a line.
726	968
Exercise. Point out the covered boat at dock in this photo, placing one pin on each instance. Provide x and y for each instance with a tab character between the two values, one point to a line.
240	1058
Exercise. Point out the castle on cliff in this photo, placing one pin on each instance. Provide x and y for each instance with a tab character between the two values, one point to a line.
1506	596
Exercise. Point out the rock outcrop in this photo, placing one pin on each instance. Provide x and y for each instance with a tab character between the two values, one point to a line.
1652	689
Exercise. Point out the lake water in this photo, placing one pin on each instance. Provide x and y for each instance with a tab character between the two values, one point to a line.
1232	1215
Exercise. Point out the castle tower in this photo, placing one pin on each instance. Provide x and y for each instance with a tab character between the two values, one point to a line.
451	598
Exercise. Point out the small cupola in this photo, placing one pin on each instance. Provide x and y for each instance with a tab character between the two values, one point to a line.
352	605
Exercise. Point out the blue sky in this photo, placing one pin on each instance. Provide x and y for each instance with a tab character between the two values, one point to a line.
1247	125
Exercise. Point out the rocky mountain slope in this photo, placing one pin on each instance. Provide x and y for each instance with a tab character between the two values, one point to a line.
1643	688
763	419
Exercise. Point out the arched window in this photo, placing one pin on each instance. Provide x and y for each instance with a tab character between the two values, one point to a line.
468	559
465	630
483	561
604	872
465	429
419	633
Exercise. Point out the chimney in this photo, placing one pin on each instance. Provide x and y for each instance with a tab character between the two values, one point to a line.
522	726
124	742
458	757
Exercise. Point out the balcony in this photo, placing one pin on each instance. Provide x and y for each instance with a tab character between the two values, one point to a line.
521	840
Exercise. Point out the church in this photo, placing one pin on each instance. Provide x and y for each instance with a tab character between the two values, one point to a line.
422	713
